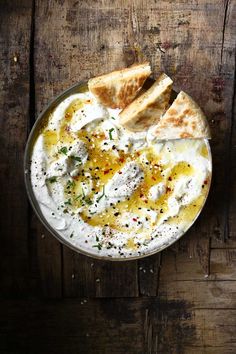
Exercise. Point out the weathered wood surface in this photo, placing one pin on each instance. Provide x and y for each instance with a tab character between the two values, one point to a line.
179	301
134	326
14	123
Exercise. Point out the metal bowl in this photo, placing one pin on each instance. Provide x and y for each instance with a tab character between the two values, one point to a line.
39	124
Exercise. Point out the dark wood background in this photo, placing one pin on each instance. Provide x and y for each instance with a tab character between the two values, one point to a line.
53	300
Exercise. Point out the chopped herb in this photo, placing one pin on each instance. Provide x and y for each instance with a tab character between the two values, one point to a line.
101	196
113	118
63	150
83	192
76	158
70	184
68	202
88	201
99	246
52	179
78	197
72	234
110	133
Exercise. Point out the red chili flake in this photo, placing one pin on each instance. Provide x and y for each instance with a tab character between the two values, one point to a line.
205	182
120	173
88	101
141	195
154	179
122	159
170	178
145	201
134	219
168	189
106	172
138	153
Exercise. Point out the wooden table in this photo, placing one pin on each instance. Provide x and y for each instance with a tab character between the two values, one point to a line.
56	301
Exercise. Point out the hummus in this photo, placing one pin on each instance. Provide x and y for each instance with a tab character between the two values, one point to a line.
114	193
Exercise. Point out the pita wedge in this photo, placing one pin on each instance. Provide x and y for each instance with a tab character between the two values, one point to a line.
147	109
118	88
184	119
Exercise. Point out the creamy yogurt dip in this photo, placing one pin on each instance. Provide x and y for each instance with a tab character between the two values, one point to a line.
110	192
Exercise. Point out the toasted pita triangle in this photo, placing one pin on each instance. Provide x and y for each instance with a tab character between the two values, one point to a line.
118	88
147	109
184	119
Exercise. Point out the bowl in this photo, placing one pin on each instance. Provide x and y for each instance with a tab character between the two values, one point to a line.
38	125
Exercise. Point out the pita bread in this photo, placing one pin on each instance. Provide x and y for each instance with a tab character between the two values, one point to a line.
118	88
147	109
184	119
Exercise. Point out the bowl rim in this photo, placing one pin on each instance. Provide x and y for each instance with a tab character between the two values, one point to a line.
78	88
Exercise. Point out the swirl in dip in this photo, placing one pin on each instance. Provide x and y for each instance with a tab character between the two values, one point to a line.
111	192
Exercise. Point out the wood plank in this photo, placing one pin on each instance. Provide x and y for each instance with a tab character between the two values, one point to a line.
84	276
15	23
49	255
230	31
134	326
203	294
49	250
181	266
223	264
225	89
148	272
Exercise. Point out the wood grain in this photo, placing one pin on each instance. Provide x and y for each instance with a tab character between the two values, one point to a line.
84	276
180	301
95	40
15	22
134	326
180	266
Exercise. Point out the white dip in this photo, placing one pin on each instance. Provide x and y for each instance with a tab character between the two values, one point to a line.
110	192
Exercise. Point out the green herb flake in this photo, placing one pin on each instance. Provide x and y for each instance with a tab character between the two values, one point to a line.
52	179
110	133
72	234
83	192
70	184
99	246
101	196
88	201
78	197
63	150
76	158
113	118
68	202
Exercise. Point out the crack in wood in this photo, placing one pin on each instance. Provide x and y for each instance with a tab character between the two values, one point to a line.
223	30
229	157
31	70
